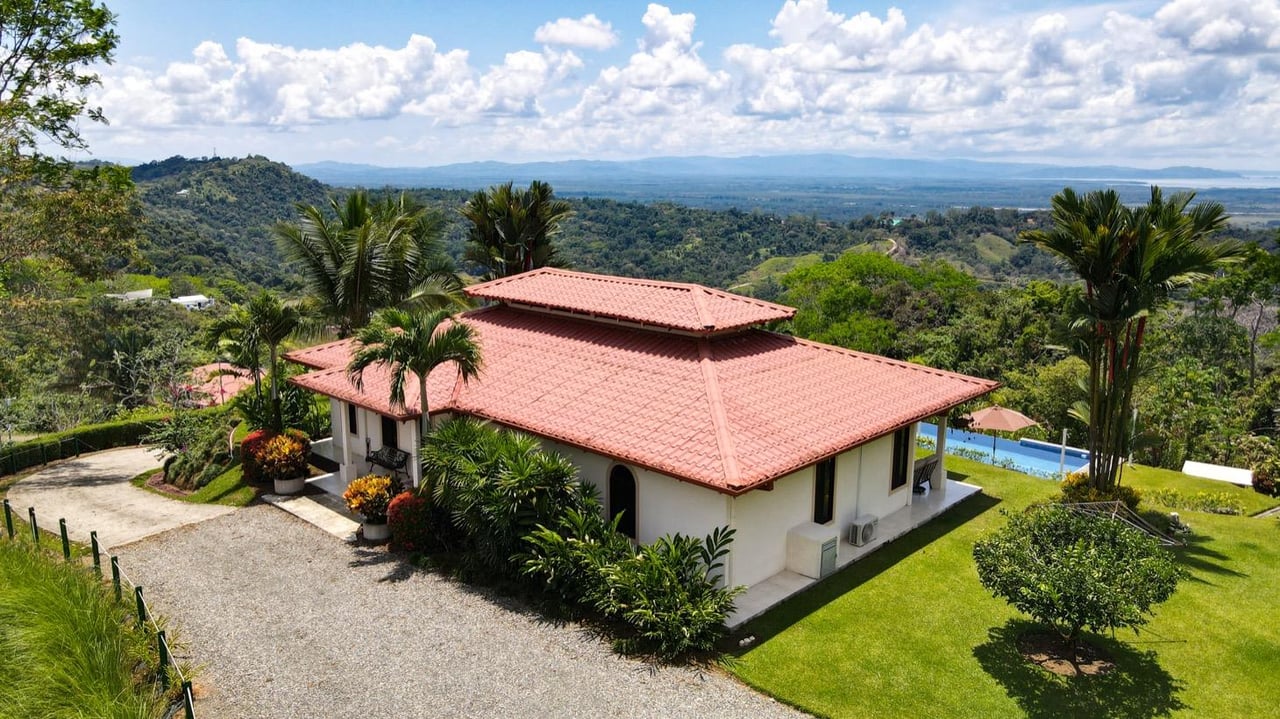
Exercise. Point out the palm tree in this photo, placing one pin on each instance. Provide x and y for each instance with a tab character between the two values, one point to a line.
414	342
272	322
232	337
511	230
1131	261
369	255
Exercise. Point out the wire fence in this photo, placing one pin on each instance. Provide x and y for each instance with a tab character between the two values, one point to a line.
169	673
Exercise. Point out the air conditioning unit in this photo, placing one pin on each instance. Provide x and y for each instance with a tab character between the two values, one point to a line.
863	530
812	549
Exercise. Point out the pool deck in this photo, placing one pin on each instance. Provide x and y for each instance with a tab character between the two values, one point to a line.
762	596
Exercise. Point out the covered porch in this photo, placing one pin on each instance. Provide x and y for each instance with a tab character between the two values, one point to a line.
764	595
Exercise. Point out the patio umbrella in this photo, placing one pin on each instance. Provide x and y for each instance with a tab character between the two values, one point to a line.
997	418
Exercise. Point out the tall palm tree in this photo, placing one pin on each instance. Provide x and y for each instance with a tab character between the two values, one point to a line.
1131	260
232	337
512	230
367	256
271	323
414	342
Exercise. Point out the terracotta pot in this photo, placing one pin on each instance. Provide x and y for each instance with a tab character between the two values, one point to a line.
290	486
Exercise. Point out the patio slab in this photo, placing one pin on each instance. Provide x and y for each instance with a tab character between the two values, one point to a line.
760	597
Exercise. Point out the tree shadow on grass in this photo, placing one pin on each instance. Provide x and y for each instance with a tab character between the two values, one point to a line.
818	595
1197	559
1137	688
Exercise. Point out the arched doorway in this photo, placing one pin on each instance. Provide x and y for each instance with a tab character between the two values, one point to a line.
622	499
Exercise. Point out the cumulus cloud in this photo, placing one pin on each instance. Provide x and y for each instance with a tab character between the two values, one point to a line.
588	32
1192	76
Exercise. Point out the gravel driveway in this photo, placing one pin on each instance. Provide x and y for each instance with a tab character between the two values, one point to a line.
291	622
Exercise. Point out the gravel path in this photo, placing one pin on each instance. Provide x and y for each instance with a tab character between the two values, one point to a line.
291	622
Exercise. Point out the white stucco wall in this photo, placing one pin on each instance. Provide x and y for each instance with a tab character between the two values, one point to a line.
762	519
874	495
664	505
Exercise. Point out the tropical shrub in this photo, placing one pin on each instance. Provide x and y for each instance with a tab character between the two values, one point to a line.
1212	502
497	487
206	453
1076	488
1075	571
413	523
284	456
250	447
668	593
370	496
569	559
297	409
1261	455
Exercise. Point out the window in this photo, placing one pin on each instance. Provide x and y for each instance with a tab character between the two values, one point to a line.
824	491
351	419
622	499
901	457
389	433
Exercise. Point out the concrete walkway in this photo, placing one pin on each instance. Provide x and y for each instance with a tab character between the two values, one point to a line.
93	493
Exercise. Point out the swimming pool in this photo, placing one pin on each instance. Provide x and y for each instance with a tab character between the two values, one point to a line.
1029	456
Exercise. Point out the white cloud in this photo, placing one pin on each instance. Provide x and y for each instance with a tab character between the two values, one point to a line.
1194	77
588	32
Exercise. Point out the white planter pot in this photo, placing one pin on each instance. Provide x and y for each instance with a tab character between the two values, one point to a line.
376	532
290	486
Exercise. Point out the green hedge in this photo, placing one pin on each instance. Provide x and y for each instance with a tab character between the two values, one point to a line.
73	442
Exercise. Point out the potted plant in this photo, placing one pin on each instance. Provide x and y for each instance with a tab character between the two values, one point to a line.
284	460
369	496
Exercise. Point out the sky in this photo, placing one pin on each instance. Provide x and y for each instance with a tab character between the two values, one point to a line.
400	83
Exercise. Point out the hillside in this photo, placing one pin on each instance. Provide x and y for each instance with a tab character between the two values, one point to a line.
213	217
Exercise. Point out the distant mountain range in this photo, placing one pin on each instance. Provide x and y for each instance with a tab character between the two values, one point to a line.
573	175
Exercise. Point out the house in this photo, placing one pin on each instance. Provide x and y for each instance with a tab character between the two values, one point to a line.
685	412
193	302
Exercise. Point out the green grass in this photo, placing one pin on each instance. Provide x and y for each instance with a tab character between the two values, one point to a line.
228	489
66	648
774	267
994	248
909	632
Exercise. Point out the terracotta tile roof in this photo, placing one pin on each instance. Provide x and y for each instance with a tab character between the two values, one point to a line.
729	412
325	356
214	384
672	305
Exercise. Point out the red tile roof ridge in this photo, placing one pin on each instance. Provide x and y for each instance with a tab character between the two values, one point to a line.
719	418
881	359
698	295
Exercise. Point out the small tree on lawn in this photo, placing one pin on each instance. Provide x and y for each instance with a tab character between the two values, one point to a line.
1075	571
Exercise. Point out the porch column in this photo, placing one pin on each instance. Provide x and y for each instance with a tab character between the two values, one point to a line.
343	429
938	482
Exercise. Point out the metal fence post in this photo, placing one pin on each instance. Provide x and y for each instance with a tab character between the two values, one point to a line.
115	575
163	645
35	531
97	554
188	702
8	519
66	543
142	607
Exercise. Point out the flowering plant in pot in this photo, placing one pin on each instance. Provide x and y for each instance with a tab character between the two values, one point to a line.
369	496
284	461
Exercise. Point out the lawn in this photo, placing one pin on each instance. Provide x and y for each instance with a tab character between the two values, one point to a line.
909	631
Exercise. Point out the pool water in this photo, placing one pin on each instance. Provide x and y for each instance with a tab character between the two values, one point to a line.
1029	456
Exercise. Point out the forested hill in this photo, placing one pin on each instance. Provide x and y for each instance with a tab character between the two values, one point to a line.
212	218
